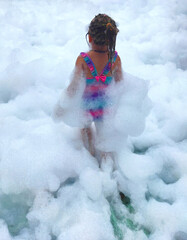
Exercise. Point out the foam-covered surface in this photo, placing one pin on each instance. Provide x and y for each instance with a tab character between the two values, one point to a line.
50	186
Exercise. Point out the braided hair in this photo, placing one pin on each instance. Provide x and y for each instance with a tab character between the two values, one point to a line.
103	31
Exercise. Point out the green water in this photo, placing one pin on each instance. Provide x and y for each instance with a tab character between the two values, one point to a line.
120	222
13	210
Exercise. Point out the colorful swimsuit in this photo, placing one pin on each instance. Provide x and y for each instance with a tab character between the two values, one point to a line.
95	100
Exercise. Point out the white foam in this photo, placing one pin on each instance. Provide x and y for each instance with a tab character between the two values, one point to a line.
70	195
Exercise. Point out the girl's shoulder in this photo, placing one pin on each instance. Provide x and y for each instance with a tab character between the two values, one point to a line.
79	59
80	62
118	59
117	62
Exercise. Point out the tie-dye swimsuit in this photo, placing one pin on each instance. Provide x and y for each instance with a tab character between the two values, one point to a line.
95	100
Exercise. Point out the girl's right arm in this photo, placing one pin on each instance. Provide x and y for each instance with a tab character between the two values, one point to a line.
77	76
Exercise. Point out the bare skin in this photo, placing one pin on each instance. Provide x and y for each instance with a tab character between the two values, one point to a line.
81	69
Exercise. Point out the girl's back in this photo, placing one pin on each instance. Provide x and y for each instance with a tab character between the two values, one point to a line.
100	60
96	101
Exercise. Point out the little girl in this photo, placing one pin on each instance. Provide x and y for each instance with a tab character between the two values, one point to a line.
99	68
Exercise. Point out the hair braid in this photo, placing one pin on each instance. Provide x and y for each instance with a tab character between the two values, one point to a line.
103	31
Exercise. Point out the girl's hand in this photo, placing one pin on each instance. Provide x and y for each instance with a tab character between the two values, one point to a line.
58	112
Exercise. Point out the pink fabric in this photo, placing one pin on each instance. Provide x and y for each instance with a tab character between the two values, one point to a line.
96	113
95	88
101	77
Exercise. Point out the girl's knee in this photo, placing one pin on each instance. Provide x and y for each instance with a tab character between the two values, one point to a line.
85	130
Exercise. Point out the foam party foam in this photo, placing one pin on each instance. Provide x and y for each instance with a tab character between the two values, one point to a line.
50	186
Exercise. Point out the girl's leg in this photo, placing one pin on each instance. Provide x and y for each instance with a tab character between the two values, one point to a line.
108	161
106	156
88	139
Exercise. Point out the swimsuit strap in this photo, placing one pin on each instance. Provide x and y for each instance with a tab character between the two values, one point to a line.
90	64
92	67
107	68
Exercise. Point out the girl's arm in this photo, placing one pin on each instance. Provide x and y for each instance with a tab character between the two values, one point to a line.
76	79
118	75
62	105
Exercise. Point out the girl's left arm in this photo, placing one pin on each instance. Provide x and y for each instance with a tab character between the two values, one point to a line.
77	77
118	74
